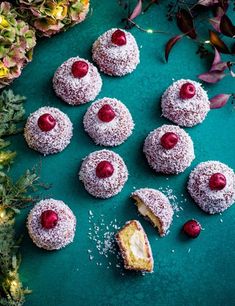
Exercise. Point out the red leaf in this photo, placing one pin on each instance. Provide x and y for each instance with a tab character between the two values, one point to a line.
218	43
211	76
185	23
170	44
217	57
219	101
226	26
219	67
137	10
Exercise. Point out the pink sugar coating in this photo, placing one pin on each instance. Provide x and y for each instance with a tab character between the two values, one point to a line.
59	236
50	142
76	91
115	60
107	187
158	204
185	112
171	161
111	133
211	201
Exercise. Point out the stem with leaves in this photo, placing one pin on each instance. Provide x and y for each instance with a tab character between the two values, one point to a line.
13	197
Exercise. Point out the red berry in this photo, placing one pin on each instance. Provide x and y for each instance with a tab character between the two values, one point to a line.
187	91
46	122
192	228
119	38
217	181
106	113
49	219
79	69
169	140
104	169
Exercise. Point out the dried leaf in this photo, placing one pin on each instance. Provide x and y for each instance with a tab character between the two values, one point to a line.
217	64
223	4
219	101
217	57
170	44
207	2
211	76
137	10
219	67
217	42
227	27
215	22
185	23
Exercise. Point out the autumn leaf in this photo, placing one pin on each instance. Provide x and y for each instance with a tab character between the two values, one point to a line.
170	44
219	101
227	27
185	23
137	10
211	76
207	2
217	42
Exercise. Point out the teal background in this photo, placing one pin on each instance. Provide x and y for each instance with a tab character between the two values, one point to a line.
203	276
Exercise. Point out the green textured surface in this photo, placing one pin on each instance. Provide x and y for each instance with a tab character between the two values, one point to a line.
205	275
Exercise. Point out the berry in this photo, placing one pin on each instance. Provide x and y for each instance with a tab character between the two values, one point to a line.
79	69
104	169
217	181
169	140
49	219
106	113
46	122
187	91
118	38
192	228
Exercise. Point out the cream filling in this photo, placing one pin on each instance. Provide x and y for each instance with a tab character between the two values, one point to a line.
146	212
137	245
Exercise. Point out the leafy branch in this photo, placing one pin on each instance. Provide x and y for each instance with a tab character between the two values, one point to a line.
13	197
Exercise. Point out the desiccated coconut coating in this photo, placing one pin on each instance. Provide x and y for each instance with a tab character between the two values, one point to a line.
106	187
185	112
211	201
115	60
57	237
158	204
171	161
76	91
49	142
111	133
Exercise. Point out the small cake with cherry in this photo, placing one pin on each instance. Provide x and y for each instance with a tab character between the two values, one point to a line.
77	81
185	103
116	52
48	130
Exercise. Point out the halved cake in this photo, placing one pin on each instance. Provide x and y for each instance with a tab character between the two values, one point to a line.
135	247
154	206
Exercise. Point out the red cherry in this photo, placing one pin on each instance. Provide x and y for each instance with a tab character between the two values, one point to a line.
46	122
187	91
217	181
104	169
192	228
106	113
49	219
169	140
79	69
119	38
